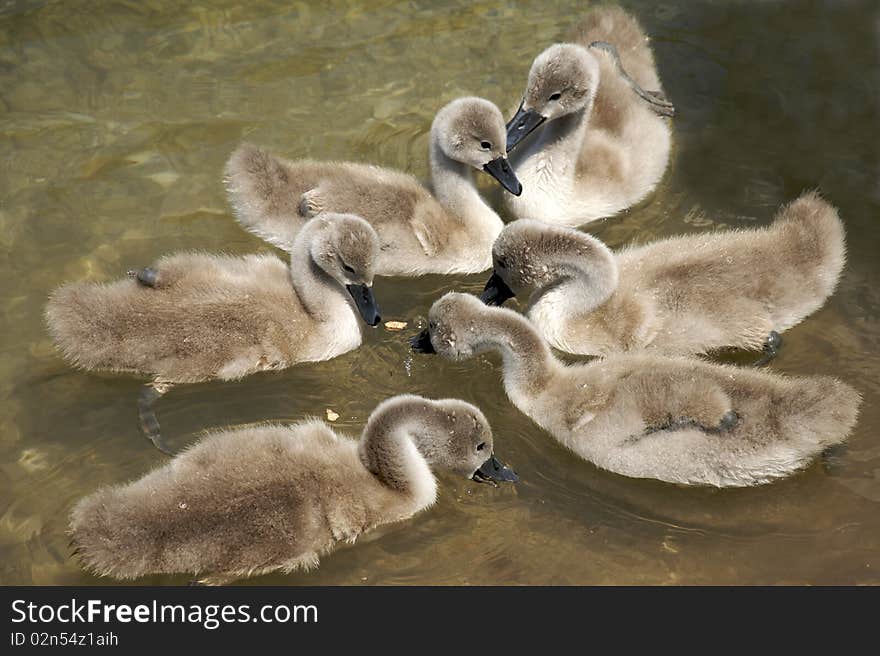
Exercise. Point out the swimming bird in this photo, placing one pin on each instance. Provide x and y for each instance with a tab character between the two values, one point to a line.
195	316
682	295
450	231
643	415
604	141
274	498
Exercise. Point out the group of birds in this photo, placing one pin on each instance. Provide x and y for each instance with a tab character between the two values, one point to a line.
590	138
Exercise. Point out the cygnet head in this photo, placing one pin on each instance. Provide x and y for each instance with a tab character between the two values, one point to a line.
563	79
472	131
346	247
529	255
456	436
456	327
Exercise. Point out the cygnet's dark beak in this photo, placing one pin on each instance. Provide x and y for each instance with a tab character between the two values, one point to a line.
499	168
421	343
365	302
493	470
522	125
496	291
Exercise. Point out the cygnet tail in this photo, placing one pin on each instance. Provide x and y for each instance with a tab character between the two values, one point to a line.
103	545
812	234
265	195
96	325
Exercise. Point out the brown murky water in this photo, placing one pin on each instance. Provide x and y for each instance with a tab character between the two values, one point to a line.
115	126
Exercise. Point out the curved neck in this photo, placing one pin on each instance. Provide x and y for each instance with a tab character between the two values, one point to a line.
586	279
392	448
317	290
454	188
563	137
528	363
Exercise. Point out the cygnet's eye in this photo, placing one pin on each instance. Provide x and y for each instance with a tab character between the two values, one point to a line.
501	262
556	96
347	268
481	446
432	326
485	145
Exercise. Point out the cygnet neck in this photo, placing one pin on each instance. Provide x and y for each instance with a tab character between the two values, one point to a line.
454	188
318	291
529	364
392	449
